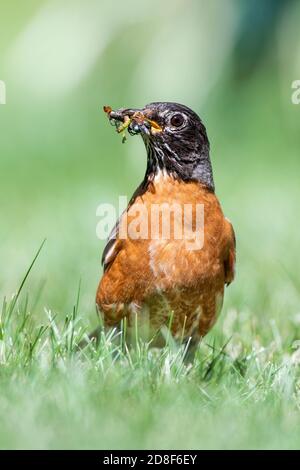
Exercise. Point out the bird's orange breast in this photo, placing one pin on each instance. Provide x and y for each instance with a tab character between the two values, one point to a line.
164	275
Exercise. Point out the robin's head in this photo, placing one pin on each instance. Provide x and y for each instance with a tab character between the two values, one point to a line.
175	139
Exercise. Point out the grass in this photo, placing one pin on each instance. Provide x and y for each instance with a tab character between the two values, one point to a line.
242	391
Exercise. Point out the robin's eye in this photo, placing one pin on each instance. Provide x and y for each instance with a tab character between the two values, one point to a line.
177	120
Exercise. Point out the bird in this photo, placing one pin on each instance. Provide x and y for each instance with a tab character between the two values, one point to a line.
160	284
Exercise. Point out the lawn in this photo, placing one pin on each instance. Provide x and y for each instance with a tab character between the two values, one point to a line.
242	391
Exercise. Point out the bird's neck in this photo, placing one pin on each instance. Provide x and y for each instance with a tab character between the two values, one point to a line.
195	166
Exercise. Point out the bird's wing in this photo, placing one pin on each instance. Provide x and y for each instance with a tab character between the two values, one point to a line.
229	263
114	244
112	247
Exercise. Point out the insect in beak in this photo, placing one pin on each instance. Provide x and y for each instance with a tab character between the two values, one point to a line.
132	120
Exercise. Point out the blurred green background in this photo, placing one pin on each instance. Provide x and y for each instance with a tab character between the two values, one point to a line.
232	61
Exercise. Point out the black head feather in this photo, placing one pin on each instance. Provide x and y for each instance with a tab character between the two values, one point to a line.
181	149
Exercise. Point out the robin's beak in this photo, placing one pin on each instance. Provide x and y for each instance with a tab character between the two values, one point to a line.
135	121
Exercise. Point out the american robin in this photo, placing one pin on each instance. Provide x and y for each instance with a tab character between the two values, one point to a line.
166	280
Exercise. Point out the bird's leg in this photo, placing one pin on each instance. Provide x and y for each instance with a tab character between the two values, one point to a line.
93	337
192	345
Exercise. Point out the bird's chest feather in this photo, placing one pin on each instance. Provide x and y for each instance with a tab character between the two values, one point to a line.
158	273
183	222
